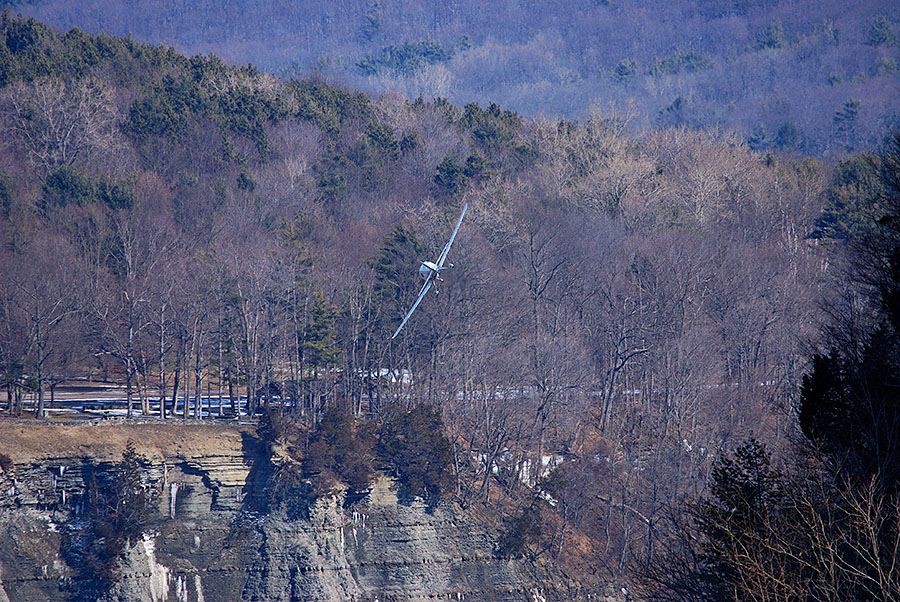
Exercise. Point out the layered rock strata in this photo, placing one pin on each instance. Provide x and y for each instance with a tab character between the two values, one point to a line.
214	539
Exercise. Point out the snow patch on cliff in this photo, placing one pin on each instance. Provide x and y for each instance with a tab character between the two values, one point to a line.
159	575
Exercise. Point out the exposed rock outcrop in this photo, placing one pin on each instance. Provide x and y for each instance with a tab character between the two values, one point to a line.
201	472
379	548
213	542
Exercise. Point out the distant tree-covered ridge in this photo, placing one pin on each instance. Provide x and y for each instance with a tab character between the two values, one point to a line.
778	72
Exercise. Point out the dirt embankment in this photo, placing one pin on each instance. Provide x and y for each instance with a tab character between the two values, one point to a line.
26	441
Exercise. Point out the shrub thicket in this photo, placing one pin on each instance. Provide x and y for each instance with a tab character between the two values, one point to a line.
6	463
409	445
520	533
119	507
413	448
335	453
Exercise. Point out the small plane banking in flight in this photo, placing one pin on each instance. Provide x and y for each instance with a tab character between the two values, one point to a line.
431	271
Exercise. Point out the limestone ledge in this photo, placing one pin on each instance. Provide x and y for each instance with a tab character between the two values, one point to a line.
58	482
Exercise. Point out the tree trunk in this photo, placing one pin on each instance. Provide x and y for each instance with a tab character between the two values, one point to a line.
142	388
39	411
266	397
162	388
208	396
251	397
128	388
186	369
175	390
219	381
235	411
198	385
141	381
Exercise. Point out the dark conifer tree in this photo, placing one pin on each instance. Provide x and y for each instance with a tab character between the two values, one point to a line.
850	401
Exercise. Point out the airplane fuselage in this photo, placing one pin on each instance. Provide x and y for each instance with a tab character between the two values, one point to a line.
428	268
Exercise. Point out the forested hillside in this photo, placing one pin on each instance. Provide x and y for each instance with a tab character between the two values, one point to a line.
813	77
628	305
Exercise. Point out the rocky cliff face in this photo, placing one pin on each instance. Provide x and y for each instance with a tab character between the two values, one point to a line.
200	471
212	542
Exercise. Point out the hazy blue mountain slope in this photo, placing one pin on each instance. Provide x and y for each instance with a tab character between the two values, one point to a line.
820	77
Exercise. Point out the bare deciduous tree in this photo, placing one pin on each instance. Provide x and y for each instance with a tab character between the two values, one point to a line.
58	122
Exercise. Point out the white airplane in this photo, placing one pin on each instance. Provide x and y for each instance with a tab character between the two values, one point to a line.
431	272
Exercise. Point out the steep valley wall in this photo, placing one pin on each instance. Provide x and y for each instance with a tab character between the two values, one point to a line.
214	540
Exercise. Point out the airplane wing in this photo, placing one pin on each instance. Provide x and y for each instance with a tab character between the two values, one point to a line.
440	261
422	292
